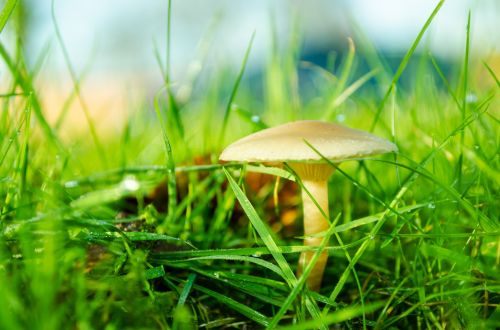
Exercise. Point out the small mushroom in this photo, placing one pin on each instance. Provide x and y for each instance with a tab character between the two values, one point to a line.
287	144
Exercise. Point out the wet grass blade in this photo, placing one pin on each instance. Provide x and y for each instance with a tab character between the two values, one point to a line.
262	230
237	306
249	117
254	251
257	261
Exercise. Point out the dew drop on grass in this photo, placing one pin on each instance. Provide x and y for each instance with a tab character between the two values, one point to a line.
71	184
471	98
255	119
340	117
257	254
130	183
431	205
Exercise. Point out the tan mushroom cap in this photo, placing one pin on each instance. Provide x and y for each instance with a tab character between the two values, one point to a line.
286	143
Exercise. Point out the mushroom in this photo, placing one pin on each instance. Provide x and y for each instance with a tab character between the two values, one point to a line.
287	144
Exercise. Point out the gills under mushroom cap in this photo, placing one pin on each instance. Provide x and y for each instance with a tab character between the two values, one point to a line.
286	143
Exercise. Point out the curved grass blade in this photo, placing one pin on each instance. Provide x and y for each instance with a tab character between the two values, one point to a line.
157	257
255	120
235	90
262	230
237	306
260	262
397	197
296	289
404	63
336	317
257	287
266	237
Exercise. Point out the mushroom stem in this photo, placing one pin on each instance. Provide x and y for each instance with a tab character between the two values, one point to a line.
314	178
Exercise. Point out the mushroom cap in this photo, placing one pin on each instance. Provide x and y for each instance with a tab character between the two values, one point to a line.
286	143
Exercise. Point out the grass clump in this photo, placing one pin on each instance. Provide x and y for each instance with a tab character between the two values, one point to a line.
159	235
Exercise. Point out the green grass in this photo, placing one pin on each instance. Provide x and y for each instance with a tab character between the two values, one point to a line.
144	229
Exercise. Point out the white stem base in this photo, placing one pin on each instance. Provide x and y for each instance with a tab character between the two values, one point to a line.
315	180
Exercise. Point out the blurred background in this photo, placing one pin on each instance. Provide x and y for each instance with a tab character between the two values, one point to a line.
113	45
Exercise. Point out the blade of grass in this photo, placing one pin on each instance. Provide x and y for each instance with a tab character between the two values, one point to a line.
445	82
336	317
98	177
262	288
236	85
384	311
168	44
13	196
76	86
374	59
255	251
464	101
24	80
262	230
266	237
12	139
173	106
186	290
401	192
7	10
24	155
170	220
73	95
296	289
263	263
131	236
351	89
237	306
492	73
467	262
255	120
404	63
346	67
355	182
